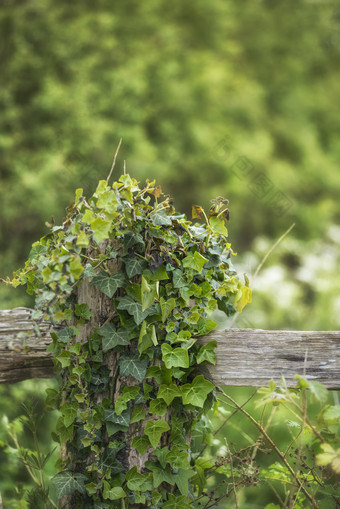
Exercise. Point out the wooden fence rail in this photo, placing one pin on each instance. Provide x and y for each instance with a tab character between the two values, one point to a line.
248	357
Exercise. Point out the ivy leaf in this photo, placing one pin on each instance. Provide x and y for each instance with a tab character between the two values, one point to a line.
66	334
141	444
109	462
83	240
178	458
123	419
133	308
133	366
138	414
178	279
137	481
109	284
181	479
89	271
134	266
113	337
69	412
159	217
129	392
149	293
76	267
64	358
114	493
83	311
66	483
206	353
205	326
176	503
154	430
101	229
158	407
196	392
166	307
160	475
133	239
159	275
175	357
168	393
195	261
218	226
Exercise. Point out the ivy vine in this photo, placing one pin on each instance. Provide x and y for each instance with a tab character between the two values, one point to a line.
131	393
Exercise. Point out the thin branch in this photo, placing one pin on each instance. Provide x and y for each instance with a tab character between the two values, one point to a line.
260	265
114	160
275	448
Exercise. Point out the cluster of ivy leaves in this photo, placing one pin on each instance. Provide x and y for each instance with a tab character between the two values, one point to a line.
172	274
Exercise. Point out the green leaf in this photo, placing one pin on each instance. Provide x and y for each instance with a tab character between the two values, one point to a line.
318	391
128	393
76	267
83	311
149	293
134	266
108	202
89	271
141	444
195	261
159	217
69	412
123	419
137	481
133	366
101	229
138	414
218	226
113	337
178	278
178	458
174	357
332	414
133	308
176	503
168	393
109	462
66	483
196	392
159	275
206	353
160	475
166	307
205	326
64	358
147	337
154	430
113	493
158	407
181	479
82	240
64	433
109	284
66	334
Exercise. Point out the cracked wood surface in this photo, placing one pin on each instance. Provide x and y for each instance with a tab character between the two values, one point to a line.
245	357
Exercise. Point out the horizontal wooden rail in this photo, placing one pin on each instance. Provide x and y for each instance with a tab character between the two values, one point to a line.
248	357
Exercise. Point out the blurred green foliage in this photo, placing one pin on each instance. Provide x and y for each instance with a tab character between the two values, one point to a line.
211	98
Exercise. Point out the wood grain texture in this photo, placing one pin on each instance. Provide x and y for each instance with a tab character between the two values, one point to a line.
22	349
253	357
245	357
